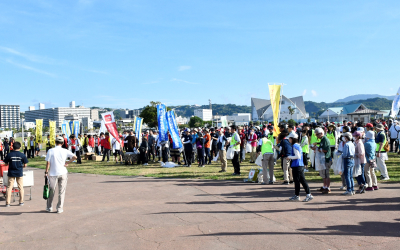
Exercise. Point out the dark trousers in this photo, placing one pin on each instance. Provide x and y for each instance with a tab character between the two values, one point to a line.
1	155
361	178
165	155
214	150
298	177
200	155
106	152
26	152
188	156
78	156
31	153
150	152
143	157
208	156
394	146
236	163
241	153
305	160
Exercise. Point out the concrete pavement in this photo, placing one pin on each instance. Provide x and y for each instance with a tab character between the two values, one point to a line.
112	212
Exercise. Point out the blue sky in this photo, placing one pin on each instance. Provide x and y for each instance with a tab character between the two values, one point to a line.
124	54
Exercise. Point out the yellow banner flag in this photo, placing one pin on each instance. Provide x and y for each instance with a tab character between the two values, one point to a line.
52	127
275	95
39	128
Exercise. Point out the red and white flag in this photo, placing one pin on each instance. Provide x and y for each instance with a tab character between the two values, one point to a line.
111	126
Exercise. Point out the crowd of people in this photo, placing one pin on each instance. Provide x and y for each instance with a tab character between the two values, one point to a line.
356	150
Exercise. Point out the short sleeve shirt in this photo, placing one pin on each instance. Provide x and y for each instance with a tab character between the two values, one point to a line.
380	138
325	145
16	161
57	157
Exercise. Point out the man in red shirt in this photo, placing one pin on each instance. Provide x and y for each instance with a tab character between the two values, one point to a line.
105	143
65	145
207	146
242	136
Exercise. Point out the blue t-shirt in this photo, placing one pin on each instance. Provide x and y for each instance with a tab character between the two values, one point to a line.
16	161
380	138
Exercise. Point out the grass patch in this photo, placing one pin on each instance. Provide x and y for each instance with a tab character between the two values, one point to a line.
208	172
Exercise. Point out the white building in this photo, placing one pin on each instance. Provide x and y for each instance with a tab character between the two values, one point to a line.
31	108
182	120
239	118
72	104
262	109
56	114
28	125
352	112
41	106
204	114
10	116
129	114
94	114
87	123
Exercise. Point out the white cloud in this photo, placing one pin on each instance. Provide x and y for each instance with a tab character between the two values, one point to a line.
304	92
32	58
184	67
31	68
314	93
183	81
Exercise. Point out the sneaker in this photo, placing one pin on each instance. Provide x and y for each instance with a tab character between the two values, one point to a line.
234	174
285	183
7	205
263	183
342	188
348	193
270	182
375	187
21	204
362	190
326	191
49	209
291	182
305	170
369	189
222	171
59	211
308	198
385	178
189	166
295	198
108	161
353	192
321	189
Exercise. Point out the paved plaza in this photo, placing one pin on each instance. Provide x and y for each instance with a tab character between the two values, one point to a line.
112	212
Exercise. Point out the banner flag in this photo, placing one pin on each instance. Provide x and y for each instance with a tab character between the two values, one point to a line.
224	122
110	124
65	129
76	128
71	127
395	105
138	128
162	122
39	128
52	127
173	130
275	95
102	128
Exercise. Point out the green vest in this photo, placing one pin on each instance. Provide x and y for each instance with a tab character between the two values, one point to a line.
271	138
305	148
314	138
233	142
266	146
384	143
331	138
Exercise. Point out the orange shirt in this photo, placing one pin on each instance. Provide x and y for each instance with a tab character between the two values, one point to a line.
207	138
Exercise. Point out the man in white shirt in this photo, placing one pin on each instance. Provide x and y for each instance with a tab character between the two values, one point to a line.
56	158
116	146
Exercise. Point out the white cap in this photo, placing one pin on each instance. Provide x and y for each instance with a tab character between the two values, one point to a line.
360	129
370	135
319	131
293	135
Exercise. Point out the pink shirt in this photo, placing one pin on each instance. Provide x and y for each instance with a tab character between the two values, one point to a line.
253	140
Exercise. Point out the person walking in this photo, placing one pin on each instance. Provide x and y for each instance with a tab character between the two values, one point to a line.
187	147
370	149
116	146
267	152
235	145
305	149
207	147
253	143
297	166
222	150
15	161
107	147
58	175
323	156
285	150
348	163
381	155
359	159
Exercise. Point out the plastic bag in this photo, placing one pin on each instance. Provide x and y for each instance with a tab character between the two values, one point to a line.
319	161
259	160
357	168
216	157
230	153
169	165
248	148
337	164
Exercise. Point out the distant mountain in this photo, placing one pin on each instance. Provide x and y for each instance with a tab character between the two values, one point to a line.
218	109
363	97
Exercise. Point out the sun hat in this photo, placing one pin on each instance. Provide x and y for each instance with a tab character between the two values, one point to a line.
380	127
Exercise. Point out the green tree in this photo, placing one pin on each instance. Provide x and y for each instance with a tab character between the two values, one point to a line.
149	114
291	122
195	122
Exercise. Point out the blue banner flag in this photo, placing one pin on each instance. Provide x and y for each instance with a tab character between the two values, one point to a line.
76	128
173	130
71	127
162	122
138	128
